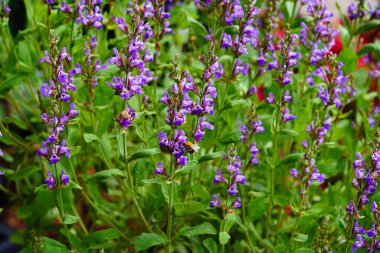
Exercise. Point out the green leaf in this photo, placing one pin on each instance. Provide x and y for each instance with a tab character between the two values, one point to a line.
257	207
231	137
158	180
368	26
371	47
210	245
90	137
10	83
75	185
349	58
210	156
186	169
42	187
224	237
70	219
201	192
304	250
25	172
289	159
230	221
52	246
188	208
198	28
104	174
99	237
148	240
144	153
299	237
203	229
289	132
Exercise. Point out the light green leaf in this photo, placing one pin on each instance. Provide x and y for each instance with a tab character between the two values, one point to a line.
70	219
186	169
299	237
224	237
90	137
210	245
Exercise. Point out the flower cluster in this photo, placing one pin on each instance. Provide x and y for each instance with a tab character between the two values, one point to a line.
175	147
53	147
235	177
206	93
310	173
89	68
156	10
361	9
336	83
133	59
89	14
318	36
285	112
179	103
248	32
51	183
255	127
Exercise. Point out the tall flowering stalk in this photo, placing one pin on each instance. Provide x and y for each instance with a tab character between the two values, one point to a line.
231	177
56	118
309	173
287	60
178	103
254	127
365	184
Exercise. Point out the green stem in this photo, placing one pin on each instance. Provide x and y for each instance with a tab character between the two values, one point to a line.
60	205
170	206
272	170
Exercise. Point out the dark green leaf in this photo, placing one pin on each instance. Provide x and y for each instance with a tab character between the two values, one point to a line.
52	246
148	240
368	26
104	174
210	156
289	132
144	153
203	229
289	159
188	208
42	187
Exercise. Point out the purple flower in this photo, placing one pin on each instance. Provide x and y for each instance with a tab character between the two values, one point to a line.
270	99
126	118
49	180
65	178
254	151
286	116
89	14
215	202
219	177
294	173
203	124
236	203
160	169
287	98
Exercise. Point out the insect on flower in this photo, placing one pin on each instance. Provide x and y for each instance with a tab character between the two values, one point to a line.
191	147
